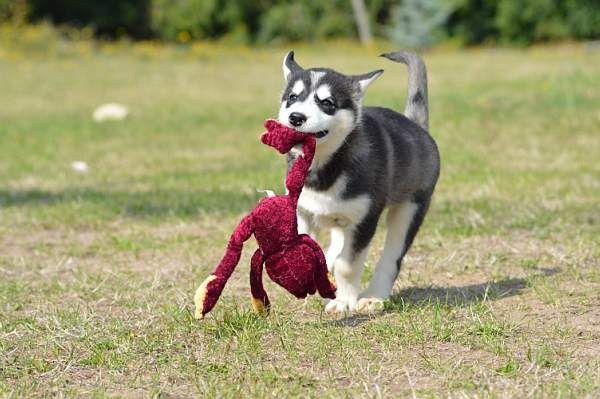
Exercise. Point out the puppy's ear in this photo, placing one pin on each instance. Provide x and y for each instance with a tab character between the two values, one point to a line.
363	81
290	66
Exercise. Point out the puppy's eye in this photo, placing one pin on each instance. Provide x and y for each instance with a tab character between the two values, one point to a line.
292	97
328	103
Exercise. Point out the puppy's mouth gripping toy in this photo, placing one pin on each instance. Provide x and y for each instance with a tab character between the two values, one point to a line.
294	261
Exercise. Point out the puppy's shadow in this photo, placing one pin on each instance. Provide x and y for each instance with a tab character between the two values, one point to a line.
451	296
467	294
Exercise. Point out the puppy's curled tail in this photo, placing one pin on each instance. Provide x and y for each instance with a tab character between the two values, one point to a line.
416	108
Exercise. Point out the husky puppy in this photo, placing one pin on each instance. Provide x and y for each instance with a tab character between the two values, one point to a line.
367	159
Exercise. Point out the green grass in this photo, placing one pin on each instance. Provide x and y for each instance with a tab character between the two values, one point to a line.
498	298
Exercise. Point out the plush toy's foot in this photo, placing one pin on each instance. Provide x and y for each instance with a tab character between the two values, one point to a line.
200	297
330	278
370	305
259	306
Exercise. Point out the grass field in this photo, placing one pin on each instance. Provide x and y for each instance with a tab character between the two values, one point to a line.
499	297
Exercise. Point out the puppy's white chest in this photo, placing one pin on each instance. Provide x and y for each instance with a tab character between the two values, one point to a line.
330	209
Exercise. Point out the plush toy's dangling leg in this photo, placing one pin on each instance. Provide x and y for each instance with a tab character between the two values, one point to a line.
260	300
324	285
209	291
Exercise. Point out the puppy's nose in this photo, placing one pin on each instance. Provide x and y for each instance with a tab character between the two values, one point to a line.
297	119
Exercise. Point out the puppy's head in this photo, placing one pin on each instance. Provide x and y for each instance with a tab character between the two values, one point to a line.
322	101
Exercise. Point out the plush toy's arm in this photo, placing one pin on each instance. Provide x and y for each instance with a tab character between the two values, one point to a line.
325	286
209	291
260	300
299	170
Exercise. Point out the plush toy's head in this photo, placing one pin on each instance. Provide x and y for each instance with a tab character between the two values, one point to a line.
281	137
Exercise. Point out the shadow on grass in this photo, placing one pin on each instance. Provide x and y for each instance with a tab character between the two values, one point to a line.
467	294
450	296
151	203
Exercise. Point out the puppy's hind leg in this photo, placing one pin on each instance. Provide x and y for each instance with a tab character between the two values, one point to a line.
403	222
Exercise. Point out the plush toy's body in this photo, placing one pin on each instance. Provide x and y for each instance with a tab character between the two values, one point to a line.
294	261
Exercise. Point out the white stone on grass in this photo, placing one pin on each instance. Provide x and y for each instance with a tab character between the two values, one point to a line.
110	112
80	166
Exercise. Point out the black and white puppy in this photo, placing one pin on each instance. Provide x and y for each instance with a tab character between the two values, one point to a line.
367	159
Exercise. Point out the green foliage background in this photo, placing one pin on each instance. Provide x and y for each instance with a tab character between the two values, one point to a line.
412	23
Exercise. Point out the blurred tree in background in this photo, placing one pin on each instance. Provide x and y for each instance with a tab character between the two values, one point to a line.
473	21
15	11
414	23
107	17
419	23
523	22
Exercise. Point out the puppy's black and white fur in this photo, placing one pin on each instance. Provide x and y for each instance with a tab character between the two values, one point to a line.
367	159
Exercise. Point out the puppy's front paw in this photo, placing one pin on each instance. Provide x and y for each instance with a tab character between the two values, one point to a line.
370	305
341	305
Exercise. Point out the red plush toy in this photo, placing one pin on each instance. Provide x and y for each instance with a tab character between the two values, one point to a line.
294	261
